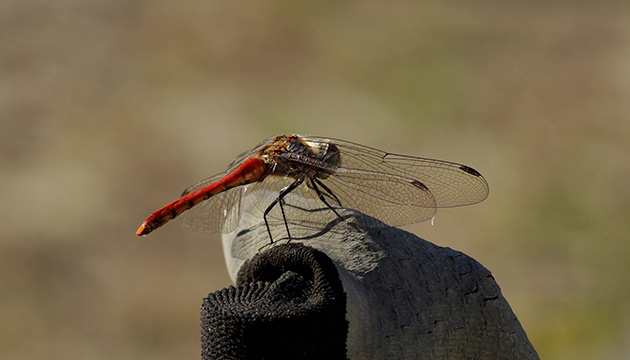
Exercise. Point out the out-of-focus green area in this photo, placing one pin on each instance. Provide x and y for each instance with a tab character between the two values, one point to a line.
108	109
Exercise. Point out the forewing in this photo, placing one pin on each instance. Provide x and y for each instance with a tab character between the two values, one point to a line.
451	184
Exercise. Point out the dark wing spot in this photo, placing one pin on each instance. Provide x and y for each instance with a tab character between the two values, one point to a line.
419	185
470	170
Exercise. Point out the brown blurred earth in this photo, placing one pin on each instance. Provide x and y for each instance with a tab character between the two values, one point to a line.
109	109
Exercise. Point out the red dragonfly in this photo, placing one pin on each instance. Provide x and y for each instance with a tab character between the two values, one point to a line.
396	189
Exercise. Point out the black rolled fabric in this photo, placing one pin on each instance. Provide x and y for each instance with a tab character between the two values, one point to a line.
288	304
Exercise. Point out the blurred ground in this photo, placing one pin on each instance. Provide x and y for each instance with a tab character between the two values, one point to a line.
108	109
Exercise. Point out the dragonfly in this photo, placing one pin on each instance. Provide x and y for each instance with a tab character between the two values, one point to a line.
337	174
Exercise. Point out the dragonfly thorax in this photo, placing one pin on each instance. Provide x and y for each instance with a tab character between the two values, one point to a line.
327	155
290	155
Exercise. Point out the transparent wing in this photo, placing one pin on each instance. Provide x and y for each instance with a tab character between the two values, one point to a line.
389	198
247	154
221	212
451	184
302	205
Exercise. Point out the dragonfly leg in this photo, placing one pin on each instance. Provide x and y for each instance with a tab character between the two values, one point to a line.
314	183
279	200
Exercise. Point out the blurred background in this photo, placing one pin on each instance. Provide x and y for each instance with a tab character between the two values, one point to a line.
109	109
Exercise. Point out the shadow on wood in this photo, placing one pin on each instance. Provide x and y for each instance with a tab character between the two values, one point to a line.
406	297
